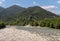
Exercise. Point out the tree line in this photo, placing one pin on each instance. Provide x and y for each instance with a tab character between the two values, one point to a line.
48	22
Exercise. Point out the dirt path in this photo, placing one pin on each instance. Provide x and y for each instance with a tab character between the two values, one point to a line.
20	33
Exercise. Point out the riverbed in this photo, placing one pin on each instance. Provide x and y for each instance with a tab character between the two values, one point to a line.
30	33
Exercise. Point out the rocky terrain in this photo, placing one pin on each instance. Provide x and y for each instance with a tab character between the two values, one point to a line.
20	33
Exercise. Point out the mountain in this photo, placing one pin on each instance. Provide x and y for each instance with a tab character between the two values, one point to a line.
15	13
58	14
36	13
14	9
10	11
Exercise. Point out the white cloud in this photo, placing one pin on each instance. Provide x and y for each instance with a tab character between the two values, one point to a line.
58	1
49	7
1	3
35	3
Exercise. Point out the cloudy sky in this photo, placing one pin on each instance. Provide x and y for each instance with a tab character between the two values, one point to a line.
51	5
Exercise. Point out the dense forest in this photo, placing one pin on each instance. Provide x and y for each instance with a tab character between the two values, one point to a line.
34	16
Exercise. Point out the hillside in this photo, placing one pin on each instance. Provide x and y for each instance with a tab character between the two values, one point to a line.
35	13
1	9
20	14
10	12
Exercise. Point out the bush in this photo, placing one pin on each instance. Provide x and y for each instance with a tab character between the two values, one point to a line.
52	23
42	24
2	25
57	26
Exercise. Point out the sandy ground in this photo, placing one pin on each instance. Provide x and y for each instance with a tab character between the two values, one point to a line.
21	34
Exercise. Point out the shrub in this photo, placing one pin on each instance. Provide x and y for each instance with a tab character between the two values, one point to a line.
2	25
42	24
51	25
57	26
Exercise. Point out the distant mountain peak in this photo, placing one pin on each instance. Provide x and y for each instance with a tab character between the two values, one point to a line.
37	6
1	7
14	6
34	7
11	10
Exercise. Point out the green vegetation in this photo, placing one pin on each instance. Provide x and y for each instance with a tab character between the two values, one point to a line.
52	23
34	16
15	13
2	25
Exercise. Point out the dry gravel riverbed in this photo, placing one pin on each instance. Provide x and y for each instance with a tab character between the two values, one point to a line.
20	33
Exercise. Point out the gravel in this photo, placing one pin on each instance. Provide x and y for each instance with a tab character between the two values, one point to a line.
20	33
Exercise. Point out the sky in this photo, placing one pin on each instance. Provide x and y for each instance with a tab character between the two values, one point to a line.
50	5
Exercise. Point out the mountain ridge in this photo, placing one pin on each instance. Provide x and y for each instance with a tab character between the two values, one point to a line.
31	13
36	10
